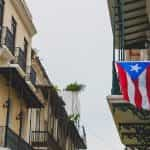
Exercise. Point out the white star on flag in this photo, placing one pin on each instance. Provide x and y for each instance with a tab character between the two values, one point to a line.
135	68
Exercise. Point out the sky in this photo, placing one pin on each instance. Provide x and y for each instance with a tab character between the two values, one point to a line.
74	42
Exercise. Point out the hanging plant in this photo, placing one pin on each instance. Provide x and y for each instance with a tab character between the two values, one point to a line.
75	87
56	88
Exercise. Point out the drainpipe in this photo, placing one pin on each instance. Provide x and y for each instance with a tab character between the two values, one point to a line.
7	105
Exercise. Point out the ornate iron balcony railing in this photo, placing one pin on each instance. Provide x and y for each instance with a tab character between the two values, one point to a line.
21	59
10	139
39	138
7	39
44	139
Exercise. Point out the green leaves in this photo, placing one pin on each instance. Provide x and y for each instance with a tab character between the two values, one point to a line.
74	117
75	87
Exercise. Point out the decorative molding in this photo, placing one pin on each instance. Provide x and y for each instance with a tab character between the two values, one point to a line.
140	132
125	107
24	15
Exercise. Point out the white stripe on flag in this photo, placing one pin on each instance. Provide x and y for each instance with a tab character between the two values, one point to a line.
131	90
143	90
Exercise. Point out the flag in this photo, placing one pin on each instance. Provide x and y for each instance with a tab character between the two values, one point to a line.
134	79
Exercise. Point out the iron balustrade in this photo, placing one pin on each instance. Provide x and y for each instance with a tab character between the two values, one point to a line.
44	139
13	141
33	76
82	133
21	59
39	138
8	39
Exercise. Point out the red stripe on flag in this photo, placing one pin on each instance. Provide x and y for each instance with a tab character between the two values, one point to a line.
148	82
137	96
123	82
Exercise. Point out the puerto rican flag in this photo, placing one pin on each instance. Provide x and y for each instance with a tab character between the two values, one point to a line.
134	78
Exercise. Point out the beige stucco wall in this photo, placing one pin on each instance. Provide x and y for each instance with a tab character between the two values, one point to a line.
3	99
41	79
15	108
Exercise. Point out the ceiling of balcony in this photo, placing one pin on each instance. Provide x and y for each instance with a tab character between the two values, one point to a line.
131	18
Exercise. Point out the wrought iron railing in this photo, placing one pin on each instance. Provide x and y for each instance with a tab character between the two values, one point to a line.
39	138
8	39
21	59
11	140
15	142
44	139
83	134
33	76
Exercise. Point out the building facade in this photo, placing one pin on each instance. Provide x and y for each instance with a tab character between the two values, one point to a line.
32	115
130	20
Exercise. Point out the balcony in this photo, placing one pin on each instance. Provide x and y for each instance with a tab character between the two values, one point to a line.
7	42
8	39
9	54
44	139
13	141
20	58
78	135
39	138
133	125
130	22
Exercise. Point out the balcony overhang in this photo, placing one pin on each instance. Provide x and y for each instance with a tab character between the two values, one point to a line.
133	125
134	17
19	83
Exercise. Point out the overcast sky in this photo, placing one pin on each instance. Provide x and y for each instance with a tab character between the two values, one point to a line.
75	44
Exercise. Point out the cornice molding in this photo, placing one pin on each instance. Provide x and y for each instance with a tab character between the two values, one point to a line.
25	15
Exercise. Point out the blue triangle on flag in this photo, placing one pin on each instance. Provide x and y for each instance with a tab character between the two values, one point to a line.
134	69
